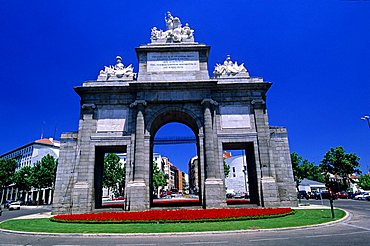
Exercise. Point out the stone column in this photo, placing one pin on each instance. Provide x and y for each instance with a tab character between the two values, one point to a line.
214	187
83	198
137	192
43	195
139	142
2	196
269	191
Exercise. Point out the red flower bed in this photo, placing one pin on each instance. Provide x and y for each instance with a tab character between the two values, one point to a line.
183	215
237	201
175	202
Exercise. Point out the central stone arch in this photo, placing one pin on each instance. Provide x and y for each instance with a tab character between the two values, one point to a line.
183	115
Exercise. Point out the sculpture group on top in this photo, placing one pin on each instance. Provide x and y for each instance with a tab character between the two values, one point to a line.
175	33
117	72
228	68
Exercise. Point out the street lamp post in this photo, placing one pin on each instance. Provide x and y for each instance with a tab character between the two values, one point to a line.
245	172
245	179
366	117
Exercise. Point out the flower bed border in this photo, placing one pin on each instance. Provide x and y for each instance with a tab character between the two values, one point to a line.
287	212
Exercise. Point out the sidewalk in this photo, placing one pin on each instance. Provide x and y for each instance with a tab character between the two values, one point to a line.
35	216
307	205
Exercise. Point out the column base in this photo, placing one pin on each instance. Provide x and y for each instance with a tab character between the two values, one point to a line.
215	194
137	196
81	202
270	192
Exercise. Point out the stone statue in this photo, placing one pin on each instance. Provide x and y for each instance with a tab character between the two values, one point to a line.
228	68
175	33
117	72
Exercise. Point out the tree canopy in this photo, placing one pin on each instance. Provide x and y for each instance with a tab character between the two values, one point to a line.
159	178
305	169
338	162
364	182
23	178
44	172
226	169
114	172
7	170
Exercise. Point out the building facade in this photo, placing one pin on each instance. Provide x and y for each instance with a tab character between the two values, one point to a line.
237	180
123	111
28	155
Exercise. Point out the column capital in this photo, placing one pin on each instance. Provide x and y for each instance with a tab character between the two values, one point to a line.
258	102
209	101
88	108
138	102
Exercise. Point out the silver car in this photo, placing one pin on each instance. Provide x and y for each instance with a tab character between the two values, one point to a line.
15	206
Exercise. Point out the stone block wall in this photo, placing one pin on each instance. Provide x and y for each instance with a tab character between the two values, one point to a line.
283	166
66	174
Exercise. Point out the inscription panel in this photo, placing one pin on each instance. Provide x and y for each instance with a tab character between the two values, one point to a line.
235	117
111	119
172	61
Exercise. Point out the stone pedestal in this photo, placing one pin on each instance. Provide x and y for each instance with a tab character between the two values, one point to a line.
215	193
137	196
173	62
270	192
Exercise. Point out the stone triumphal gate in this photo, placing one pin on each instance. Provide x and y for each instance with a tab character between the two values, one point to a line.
121	112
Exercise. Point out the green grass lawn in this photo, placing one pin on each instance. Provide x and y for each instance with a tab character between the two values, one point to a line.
300	218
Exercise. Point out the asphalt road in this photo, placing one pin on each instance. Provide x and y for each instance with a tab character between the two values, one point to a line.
354	231
25	210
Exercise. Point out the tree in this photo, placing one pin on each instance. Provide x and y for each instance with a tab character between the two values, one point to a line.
339	163
114	173
159	178
226	169
305	169
311	171
23	178
364	182
7	170
296	162
44	172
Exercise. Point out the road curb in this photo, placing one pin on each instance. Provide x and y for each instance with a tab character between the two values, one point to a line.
347	217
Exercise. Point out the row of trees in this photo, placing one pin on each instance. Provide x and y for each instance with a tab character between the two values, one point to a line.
41	175
335	162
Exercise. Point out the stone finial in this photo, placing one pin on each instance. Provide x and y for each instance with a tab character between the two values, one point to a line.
228	69
175	33
117	72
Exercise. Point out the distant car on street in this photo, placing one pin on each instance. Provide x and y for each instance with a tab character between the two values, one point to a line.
362	196
15	206
343	195
325	195
7	203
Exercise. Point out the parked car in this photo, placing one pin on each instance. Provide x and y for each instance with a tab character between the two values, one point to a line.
343	195
362	196
7	202
15	206
368	198
325	195
302	194
21	202
31	203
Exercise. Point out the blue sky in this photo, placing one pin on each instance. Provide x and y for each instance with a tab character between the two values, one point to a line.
316	54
